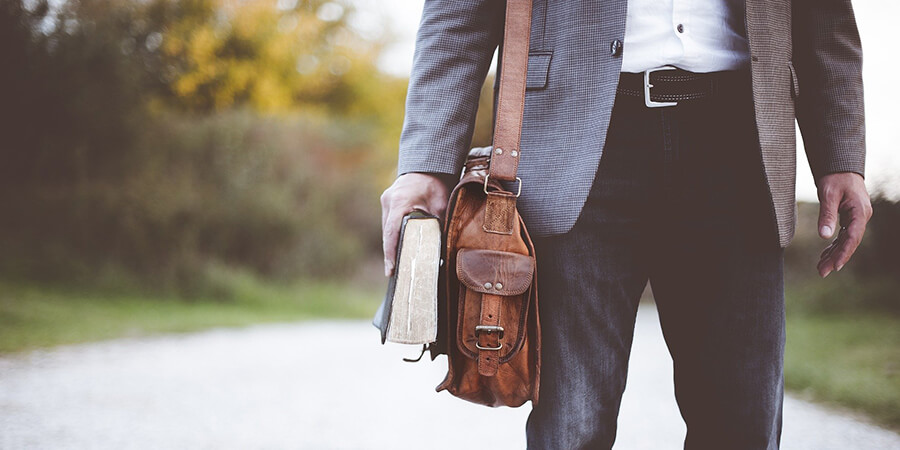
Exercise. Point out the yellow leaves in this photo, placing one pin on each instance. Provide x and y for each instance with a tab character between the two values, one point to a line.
202	46
279	57
269	94
264	55
198	50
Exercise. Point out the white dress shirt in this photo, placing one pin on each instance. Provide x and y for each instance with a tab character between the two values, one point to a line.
694	35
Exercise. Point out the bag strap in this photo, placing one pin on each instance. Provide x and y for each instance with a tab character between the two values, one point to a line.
511	98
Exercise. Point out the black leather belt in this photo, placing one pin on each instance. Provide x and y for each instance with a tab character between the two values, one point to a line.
666	86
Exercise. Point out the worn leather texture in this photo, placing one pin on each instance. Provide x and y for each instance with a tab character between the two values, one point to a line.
480	272
488	280
490	328
507	273
500	212
511	92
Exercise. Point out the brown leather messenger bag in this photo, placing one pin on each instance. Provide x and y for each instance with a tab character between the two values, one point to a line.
488	306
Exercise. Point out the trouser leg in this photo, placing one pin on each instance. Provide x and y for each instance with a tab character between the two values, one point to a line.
680	197
722	314
717	279
590	282
587	319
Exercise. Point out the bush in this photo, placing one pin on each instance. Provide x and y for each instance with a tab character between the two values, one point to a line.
870	282
282	196
108	169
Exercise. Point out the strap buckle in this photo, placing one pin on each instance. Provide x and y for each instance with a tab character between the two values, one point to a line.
489	329
518	192
647	86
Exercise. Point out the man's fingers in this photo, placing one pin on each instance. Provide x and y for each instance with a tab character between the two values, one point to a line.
828	213
409	192
836	255
393	213
850	242
390	233
437	207
826	259
843	197
826	263
824	268
386	230
828	250
385	207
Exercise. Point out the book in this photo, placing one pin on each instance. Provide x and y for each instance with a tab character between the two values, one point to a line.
408	314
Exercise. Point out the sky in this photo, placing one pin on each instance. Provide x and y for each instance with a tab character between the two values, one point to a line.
875	19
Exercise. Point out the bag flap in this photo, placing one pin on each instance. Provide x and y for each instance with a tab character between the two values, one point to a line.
494	272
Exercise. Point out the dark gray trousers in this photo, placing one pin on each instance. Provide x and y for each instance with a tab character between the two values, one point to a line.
680	200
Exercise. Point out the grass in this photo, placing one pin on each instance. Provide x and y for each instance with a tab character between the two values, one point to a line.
34	316
848	360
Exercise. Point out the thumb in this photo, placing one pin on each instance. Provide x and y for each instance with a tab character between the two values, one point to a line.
828	214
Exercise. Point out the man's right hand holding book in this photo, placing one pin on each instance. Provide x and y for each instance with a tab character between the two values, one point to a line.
429	192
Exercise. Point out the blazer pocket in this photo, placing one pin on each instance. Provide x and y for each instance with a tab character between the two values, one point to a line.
538	69
795	83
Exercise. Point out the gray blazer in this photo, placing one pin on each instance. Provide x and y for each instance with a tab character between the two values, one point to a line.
573	70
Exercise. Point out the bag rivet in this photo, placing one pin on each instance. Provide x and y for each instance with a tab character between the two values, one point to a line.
499	151
488	285
499	286
514	153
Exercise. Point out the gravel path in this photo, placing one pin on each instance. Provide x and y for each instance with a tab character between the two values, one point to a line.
321	385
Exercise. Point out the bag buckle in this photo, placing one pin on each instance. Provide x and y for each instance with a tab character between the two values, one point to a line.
647	86
518	193
489	329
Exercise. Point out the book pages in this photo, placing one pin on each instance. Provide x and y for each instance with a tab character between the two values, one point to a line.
414	307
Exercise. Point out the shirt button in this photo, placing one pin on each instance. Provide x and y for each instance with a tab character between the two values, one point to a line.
680	28
615	48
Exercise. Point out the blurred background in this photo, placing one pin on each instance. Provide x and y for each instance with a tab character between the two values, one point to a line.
174	165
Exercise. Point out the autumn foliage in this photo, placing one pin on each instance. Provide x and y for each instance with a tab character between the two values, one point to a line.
157	137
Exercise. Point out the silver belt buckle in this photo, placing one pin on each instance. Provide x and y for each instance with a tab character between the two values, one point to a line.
647	86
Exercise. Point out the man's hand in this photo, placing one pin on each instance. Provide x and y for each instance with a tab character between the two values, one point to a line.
842	196
410	191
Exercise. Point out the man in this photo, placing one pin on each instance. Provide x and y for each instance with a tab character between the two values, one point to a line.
692	107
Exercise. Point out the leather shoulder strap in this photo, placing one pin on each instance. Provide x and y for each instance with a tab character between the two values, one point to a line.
511	98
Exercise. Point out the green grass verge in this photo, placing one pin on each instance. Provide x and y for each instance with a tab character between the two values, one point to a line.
851	360
34	316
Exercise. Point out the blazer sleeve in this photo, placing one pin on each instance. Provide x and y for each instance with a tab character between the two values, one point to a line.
827	56
454	46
